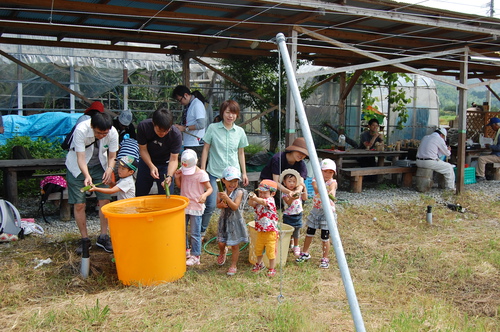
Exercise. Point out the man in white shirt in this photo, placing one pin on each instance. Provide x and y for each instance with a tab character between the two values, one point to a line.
90	160
429	153
193	121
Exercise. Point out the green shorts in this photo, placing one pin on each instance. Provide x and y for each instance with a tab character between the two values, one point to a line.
75	196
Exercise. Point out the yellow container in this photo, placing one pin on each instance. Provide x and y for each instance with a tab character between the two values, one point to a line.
149	238
281	246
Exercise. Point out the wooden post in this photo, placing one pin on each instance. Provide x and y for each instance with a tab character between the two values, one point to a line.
462	120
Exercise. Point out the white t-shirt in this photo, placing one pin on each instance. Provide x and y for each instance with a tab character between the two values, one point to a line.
83	137
195	111
127	187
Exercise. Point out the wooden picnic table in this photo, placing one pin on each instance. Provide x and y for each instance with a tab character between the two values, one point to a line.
12	166
338	156
470	154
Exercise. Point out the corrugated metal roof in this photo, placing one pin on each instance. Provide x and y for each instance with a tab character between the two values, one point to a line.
331	33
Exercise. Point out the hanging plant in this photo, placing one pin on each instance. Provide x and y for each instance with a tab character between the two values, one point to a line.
396	97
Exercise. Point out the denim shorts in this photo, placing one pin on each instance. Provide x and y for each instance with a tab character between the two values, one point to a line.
294	220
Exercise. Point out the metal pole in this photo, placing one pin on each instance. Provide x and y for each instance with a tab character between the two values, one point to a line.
335	237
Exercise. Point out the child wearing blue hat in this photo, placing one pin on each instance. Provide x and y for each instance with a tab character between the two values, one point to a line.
232	228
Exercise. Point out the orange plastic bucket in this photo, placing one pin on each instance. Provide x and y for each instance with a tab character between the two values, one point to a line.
149	238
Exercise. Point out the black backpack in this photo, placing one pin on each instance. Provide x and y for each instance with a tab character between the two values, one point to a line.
51	184
68	139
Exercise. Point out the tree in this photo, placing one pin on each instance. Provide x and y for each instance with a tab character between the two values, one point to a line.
262	76
396	97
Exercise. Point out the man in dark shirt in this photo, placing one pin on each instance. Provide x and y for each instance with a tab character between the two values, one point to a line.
159	146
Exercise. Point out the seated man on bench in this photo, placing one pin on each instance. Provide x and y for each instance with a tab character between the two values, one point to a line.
431	148
494	157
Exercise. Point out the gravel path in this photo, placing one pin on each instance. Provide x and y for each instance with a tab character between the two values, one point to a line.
369	197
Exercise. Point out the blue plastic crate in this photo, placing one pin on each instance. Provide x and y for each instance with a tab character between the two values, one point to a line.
469	175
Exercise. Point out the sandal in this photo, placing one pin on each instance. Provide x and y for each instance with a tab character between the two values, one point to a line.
231	271
221	259
258	267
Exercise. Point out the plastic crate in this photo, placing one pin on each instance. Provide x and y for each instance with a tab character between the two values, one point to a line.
309	187
469	175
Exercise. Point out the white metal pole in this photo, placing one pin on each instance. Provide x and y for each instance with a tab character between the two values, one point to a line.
335	237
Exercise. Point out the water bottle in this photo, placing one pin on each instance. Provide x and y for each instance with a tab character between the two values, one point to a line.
342	142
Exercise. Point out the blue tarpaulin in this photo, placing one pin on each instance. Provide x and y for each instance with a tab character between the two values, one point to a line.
51	125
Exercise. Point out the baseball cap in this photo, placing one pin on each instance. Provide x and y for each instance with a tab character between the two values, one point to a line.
125	117
442	131
129	161
188	162
231	173
493	121
268	185
95	106
328	164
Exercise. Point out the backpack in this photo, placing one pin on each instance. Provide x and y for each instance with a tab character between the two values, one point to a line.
10	222
68	139
51	184
66	144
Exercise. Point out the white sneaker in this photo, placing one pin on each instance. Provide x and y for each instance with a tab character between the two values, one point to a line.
188	253
193	260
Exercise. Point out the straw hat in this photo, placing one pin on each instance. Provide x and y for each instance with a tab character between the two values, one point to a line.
298	145
292	172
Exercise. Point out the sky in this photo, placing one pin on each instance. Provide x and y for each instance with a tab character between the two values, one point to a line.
478	7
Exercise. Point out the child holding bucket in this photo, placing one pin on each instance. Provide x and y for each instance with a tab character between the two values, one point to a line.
125	187
232	229
316	218
266	225
292	214
195	185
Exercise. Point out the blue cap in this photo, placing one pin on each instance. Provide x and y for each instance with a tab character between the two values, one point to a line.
493	120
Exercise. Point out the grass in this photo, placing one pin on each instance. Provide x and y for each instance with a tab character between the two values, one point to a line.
408	276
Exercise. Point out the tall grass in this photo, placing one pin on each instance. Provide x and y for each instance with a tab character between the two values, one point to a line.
408	276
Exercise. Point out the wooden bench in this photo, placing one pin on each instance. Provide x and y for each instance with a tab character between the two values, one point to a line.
356	174
11	167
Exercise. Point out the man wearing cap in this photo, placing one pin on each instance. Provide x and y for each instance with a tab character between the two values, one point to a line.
494	157
91	159
193	120
429	153
292	158
123	124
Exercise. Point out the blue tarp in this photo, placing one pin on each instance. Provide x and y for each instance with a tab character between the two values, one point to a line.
51	125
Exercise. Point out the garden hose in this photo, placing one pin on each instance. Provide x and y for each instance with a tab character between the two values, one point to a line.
216	254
